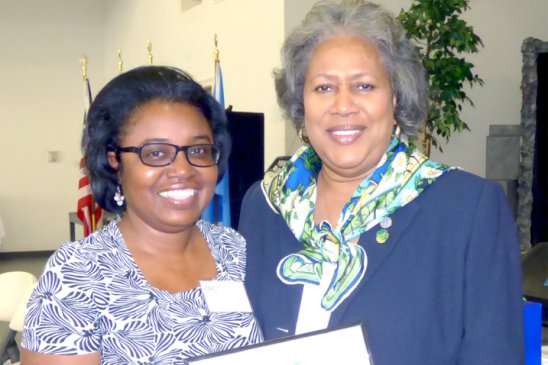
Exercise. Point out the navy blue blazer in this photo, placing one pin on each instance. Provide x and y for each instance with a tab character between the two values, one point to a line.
444	289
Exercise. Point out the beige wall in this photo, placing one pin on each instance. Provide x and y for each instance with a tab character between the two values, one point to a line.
41	86
41	106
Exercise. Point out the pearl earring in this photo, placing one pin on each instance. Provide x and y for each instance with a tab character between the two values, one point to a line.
119	197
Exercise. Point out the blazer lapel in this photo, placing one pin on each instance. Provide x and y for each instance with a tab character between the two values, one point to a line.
377	252
290	296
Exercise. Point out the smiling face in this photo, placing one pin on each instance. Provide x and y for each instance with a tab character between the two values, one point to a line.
349	106
169	198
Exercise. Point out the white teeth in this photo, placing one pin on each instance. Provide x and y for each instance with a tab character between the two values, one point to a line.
346	133
178	194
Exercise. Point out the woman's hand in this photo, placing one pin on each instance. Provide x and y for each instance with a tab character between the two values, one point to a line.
36	358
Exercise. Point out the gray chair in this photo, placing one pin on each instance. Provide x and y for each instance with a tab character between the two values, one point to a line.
15	290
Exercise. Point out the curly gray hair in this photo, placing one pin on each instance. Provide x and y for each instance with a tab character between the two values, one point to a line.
367	21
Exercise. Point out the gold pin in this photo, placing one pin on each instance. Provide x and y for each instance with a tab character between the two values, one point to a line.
382	235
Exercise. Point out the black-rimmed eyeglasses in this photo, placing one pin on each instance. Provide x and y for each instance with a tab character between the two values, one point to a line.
163	154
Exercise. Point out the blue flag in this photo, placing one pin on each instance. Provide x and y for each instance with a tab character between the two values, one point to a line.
218	210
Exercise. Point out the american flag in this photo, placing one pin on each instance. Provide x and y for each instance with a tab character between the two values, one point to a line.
88	211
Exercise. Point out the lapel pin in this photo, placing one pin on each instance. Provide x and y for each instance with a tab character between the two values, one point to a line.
386	222
382	235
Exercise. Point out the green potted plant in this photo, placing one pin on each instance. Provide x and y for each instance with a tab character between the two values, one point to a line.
442	37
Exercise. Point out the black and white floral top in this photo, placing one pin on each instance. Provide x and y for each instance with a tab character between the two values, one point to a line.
93	297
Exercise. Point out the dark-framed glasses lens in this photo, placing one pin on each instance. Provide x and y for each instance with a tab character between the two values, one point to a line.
158	154
203	155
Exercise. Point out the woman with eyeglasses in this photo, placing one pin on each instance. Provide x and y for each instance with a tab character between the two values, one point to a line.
151	287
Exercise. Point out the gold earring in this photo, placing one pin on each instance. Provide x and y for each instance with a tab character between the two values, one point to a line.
303	136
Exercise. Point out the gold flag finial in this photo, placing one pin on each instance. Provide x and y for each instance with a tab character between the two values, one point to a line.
84	64
216	50
149	47
120	62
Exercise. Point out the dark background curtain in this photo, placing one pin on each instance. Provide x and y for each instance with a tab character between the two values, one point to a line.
539	215
246	162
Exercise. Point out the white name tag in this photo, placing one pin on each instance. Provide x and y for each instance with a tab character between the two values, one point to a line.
225	296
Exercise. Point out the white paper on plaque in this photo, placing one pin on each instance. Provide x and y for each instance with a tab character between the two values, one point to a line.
225	296
311	349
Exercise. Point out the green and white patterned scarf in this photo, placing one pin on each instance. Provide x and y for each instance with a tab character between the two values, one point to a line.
401	175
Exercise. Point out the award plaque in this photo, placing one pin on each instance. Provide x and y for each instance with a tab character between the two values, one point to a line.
342	345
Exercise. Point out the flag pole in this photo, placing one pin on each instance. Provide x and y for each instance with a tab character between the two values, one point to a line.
216	202
93	222
218	209
216	49
84	64
120	62
149	48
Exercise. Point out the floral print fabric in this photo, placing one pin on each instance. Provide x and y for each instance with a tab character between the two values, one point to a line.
93	297
401	175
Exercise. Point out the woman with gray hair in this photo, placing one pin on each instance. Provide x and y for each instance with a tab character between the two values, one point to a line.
360	226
